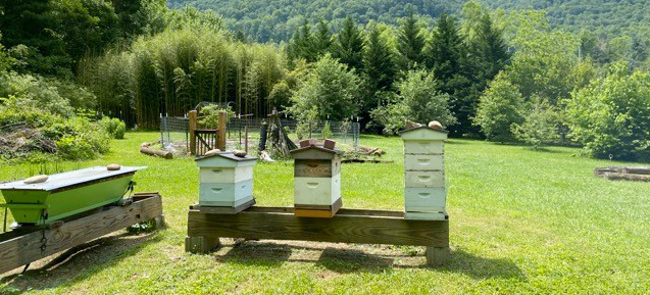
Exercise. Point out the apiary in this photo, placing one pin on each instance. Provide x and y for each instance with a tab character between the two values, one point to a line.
424	176
62	195
317	179
226	180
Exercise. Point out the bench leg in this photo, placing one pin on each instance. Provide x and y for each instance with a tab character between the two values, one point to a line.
437	256
201	245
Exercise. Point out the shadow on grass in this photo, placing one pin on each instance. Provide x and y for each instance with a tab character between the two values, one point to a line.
77	264
482	268
355	260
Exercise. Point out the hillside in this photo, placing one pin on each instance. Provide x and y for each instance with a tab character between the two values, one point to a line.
277	19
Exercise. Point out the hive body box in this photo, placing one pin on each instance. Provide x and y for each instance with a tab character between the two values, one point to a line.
424	177
317	181
226	180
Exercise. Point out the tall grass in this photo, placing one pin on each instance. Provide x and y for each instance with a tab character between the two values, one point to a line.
177	69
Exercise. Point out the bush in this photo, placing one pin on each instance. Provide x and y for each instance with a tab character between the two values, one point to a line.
612	115
29	133
500	106
113	126
419	100
330	89
326	131
539	127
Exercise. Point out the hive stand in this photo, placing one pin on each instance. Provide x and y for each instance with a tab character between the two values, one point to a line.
347	226
23	246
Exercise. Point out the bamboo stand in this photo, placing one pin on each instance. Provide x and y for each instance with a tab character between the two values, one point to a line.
347	226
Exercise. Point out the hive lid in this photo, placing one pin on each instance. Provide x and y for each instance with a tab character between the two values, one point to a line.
318	148
227	155
424	132
70	178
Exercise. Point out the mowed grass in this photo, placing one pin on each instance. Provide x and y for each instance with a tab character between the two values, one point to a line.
522	221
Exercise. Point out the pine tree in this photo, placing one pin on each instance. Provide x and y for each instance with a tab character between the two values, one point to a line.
490	49
349	45
379	63
410	42
322	38
302	44
446	49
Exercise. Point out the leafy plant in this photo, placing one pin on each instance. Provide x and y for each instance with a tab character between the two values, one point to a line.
114	126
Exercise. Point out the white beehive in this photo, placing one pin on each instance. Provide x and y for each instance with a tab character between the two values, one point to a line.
424	174
226	180
317	181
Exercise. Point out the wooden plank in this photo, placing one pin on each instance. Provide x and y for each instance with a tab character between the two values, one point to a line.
192	127
437	255
281	224
16	251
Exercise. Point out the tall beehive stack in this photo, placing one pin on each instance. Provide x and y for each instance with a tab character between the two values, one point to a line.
424	176
317	179
226	180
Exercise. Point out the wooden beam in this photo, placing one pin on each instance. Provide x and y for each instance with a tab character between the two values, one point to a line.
192	115
347	226
20	248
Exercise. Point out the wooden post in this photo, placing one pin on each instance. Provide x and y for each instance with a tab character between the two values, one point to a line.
246	139
221	130
192	127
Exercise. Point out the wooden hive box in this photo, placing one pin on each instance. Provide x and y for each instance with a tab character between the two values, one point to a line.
317	181
425	192
226	180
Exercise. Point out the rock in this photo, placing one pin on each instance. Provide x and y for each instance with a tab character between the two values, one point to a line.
36	179
113	167
239	153
412	125
436	125
212	152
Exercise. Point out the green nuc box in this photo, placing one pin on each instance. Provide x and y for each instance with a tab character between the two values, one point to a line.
66	194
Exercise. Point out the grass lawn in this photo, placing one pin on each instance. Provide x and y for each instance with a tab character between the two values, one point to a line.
522	221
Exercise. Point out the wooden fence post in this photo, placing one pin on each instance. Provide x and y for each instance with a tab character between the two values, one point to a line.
221	130
192	127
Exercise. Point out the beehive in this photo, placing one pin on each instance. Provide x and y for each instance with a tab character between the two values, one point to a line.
317	181
226	180
424	174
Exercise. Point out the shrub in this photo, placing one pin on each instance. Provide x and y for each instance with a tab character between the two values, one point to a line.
330	89
29	133
539	127
210	115
113	126
326	131
612	115
419	100
500	106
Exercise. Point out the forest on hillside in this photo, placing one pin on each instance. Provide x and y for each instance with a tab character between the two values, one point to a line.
66	66
276	20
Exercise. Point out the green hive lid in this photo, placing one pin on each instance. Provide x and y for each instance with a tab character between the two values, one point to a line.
70	178
228	156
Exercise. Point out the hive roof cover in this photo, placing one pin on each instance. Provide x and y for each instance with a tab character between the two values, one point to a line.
424	127
318	148
70	178
227	155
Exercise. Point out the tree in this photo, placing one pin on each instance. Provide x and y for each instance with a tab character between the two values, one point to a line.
612	115
410	42
447	57
490	48
499	108
331	90
322	39
379	62
349	45
302	44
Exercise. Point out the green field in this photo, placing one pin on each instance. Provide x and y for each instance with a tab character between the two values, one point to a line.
522	221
